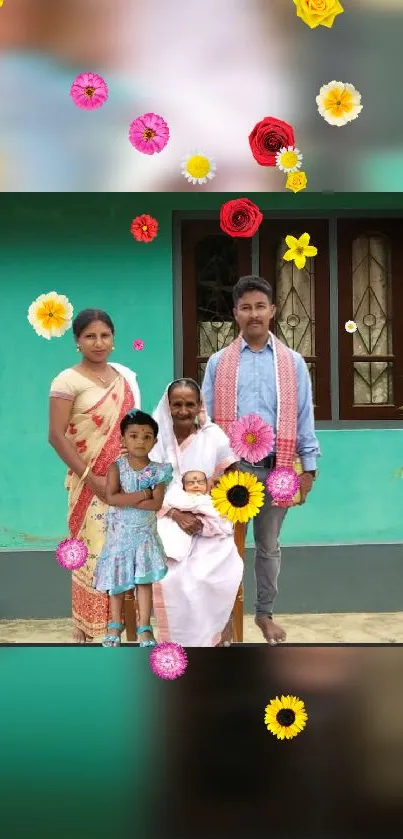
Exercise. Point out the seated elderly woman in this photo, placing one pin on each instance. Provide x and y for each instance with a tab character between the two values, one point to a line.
193	603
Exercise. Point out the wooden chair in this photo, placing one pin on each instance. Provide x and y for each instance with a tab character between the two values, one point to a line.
237	620
130	602
130	616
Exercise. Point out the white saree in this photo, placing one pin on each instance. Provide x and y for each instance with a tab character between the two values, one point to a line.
194	601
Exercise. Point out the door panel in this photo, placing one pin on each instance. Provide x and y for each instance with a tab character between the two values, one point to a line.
302	299
212	263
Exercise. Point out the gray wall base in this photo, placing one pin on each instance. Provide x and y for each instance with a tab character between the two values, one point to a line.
363	578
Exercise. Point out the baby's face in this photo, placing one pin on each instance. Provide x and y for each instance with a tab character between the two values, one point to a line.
195	482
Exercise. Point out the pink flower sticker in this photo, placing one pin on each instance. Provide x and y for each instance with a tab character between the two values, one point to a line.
71	554
89	91
282	484
251	439
149	133
168	661
138	344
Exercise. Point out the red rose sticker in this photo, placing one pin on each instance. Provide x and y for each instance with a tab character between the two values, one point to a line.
268	137
240	218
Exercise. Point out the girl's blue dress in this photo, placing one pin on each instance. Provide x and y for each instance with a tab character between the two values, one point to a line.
133	553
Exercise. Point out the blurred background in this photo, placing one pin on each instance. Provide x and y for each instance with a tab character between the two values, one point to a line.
212	70
96	746
227	777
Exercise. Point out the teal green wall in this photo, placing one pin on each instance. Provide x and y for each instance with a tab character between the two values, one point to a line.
80	245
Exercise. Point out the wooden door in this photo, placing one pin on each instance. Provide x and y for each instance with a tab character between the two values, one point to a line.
302	298
212	262
370	261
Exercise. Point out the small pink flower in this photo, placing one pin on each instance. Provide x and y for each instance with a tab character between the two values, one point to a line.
251	439
168	661
282	484
138	344
71	554
149	133
89	91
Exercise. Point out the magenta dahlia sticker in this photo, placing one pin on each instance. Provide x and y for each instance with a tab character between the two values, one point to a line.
89	91
282	484
168	660
71	554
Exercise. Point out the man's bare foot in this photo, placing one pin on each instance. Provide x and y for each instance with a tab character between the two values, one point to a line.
226	635
79	637
272	632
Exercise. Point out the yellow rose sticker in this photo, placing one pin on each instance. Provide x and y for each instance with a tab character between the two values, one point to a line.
296	181
318	12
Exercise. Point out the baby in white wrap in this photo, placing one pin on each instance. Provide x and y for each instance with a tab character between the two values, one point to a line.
191	497
193	603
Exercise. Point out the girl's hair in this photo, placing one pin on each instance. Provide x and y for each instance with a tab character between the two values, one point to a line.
87	316
138	418
185	383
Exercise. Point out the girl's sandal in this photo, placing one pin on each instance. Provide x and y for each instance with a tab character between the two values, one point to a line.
151	642
113	640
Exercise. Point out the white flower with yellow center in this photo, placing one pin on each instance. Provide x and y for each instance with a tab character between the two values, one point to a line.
339	103
350	326
198	168
288	159
50	315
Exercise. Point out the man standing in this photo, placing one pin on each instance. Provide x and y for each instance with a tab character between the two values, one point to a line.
257	374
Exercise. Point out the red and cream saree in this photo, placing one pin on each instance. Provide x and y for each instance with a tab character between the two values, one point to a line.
94	430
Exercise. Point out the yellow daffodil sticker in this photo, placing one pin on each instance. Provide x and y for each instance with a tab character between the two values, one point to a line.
296	181
318	12
299	250
286	717
238	496
50	315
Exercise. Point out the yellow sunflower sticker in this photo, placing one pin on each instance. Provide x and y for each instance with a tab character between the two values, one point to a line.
285	717
238	496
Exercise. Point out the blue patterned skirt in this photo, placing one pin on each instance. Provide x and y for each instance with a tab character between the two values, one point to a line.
133	554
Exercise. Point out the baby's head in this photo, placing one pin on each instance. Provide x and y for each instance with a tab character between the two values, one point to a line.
195	482
139	433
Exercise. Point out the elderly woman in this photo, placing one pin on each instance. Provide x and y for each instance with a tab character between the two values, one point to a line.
193	603
87	403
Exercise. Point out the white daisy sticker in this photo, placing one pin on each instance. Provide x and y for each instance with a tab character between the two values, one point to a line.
198	168
289	159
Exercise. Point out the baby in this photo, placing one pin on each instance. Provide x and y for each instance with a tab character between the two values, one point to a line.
191	495
195	483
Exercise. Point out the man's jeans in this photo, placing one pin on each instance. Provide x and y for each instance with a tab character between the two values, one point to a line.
266	530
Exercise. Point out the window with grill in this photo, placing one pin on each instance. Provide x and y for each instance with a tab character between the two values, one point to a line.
370	269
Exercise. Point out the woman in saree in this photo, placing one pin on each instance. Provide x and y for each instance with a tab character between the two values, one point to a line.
193	604
87	403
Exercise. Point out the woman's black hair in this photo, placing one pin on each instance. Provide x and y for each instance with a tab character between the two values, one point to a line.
185	383
87	316
139	418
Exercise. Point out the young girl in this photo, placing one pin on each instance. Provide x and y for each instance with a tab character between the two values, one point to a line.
133	554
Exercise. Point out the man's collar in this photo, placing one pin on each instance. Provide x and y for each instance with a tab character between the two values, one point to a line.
244	343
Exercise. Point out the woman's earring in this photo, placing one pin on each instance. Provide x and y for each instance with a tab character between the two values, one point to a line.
78	348
113	348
